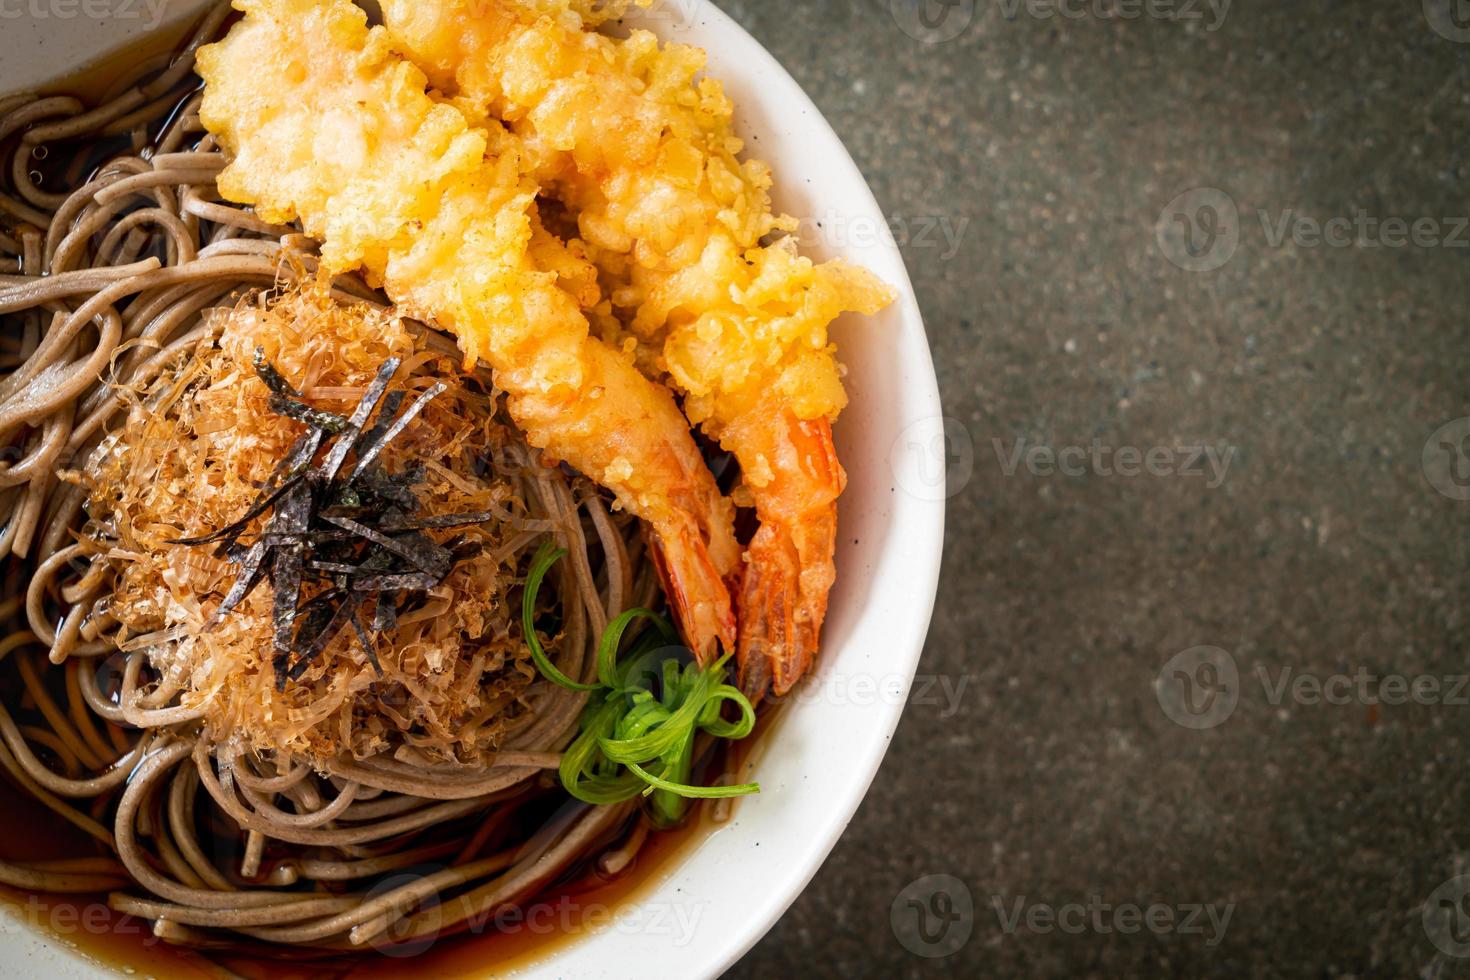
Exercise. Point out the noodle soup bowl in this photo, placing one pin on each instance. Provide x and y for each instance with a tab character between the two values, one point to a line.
698	914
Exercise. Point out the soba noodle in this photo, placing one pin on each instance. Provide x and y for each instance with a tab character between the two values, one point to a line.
113	243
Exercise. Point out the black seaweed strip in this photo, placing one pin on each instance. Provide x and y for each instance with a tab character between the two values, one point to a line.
369	401
391	405
343	611
279	539
333	566
418	550
317	418
436	559
378	560
367	644
441	522
399	580
234	528
313	616
394	489
304	449
366	458
292	458
286	577
292	516
252	570
273	379
385	615
300	453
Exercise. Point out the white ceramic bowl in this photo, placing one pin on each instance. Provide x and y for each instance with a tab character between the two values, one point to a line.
820	759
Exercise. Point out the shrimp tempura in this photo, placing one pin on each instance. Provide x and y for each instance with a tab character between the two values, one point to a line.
328	125
642	152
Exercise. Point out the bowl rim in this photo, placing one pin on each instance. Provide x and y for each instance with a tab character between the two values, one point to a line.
924	551
737	56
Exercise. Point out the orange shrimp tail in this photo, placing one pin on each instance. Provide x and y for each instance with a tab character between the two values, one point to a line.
789	568
696	594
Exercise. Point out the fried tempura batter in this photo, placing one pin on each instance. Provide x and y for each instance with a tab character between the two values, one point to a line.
643	154
328	125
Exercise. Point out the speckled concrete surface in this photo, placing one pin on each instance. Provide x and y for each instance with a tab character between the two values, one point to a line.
1056	783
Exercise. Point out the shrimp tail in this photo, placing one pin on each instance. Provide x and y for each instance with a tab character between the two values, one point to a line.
789	568
696	593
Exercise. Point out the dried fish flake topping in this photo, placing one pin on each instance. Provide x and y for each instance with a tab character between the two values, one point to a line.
315	524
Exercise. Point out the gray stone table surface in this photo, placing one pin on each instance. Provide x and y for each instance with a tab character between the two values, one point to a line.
1240	226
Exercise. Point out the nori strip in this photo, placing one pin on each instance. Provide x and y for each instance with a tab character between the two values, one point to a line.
313	617
438	558
367	644
385	614
317	418
286	577
273	379
378	561
418	581
304	449
391	405
441	522
300	453
252	570
418	550
393	488
234	528
293	458
347	499
365	405
292	515
334	567
343	610
365	458
279	539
